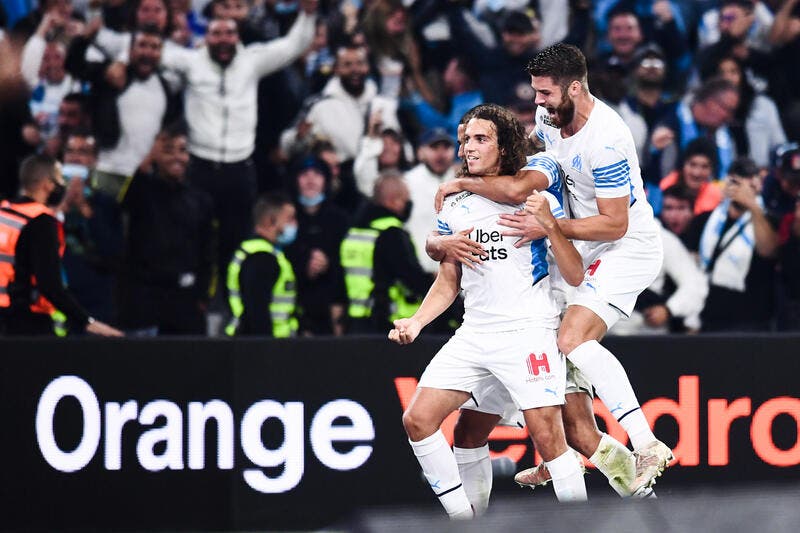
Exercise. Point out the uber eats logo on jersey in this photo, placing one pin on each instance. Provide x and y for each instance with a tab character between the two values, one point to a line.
489	238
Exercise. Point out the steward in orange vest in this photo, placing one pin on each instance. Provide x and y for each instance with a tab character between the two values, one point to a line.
31	245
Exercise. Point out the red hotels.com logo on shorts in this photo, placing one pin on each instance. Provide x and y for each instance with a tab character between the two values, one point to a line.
686	413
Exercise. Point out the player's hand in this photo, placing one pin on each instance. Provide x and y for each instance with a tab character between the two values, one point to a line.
523	225
445	189
656	315
405	330
461	248
538	206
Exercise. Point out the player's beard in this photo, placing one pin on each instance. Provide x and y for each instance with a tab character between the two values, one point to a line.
565	111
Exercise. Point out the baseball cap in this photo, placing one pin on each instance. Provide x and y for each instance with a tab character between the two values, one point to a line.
435	135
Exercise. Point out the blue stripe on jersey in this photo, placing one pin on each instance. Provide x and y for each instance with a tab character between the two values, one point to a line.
443	228
614	175
539	260
540	134
547	166
558	213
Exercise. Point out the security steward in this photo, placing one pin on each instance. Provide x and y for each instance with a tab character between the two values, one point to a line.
31	245
261	282
383	276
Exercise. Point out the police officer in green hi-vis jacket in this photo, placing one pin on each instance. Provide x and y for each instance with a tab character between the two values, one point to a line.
383	276
261	282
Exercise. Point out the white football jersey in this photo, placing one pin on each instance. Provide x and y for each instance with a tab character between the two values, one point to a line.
511	288
599	161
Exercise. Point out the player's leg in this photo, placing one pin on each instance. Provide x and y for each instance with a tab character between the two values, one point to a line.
471	449
547	432
582	326
422	421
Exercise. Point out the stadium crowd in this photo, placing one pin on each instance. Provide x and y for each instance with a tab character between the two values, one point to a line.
268	167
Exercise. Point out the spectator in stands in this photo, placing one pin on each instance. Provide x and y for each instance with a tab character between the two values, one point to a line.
261	281
314	255
383	276
112	45
124	133
745	22
461	95
92	229
436	156
31	244
737	244
501	66
221	110
381	149
394	52
44	73
649	97
673	302
170	240
783	82
788	315
704	113
696	174
677	210
756	126
73	114
627	38
782	184
68	23
341	112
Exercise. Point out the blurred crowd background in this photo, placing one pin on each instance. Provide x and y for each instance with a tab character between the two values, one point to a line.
188	127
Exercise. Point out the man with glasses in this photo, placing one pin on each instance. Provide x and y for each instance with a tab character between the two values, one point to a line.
705	113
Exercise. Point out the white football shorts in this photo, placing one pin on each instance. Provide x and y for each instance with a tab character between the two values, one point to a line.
526	362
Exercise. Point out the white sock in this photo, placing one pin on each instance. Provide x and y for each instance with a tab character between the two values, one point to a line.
475	468
567	477
440	469
616	462
613	387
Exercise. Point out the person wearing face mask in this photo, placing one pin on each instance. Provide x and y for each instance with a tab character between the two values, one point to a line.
169	241
31	245
315	253
261	281
383	276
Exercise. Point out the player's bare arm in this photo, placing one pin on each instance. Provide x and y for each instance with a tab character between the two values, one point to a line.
609	225
457	246
502	189
567	257
441	295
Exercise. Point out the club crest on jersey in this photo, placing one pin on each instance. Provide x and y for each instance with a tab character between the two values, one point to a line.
577	164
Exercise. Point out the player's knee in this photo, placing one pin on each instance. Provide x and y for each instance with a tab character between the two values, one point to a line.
464	436
417	426
568	340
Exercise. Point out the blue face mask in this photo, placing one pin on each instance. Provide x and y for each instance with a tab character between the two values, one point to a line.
288	235
311	202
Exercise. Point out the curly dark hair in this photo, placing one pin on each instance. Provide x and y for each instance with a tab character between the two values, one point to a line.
513	143
562	62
